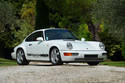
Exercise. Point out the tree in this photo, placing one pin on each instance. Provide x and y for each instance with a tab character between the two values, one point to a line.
111	12
42	15
12	29
70	14
28	12
7	17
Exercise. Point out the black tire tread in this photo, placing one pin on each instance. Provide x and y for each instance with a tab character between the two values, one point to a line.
93	63
25	62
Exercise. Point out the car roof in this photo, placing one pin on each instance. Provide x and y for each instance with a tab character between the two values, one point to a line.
51	29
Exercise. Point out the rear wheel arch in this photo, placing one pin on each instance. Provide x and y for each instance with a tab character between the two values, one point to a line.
19	49
24	60
22	49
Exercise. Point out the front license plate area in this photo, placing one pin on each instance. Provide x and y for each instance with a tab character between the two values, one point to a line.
91	57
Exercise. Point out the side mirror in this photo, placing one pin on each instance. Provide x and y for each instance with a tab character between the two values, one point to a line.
82	39
39	39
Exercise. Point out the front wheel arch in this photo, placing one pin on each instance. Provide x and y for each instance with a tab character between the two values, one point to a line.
60	63
50	51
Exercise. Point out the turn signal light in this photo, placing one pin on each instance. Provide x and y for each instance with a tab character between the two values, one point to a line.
67	54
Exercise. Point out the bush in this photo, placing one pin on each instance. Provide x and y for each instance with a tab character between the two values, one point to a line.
123	49
7	17
113	46
23	29
84	32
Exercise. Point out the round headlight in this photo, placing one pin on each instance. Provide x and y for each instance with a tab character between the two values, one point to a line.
102	46
69	45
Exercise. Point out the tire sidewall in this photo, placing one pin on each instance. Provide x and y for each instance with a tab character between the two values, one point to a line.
59	57
24	62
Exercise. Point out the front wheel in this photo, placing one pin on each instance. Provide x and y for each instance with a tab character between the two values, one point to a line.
55	57
93	63
20	57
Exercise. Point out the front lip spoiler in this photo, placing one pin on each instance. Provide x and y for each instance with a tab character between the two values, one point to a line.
86	60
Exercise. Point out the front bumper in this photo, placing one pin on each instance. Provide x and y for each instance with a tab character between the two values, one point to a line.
81	56
13	55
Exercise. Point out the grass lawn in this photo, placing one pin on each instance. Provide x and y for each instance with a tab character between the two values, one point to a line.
6	62
114	63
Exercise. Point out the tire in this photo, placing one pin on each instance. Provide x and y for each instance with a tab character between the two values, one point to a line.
55	57
20	57
93	63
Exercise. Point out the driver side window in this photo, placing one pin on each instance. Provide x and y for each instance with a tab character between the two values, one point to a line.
33	36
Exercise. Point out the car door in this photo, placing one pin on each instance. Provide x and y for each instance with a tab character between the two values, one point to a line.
35	49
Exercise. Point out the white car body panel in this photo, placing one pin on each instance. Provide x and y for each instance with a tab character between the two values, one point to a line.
38	48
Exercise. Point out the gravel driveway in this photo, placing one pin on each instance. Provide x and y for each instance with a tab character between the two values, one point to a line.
67	73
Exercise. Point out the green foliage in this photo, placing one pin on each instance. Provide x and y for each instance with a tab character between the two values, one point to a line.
14	37
84	32
6	62
19	35
113	45
114	63
114	49
123	49
7	17
9	36
6	39
112	13
28	12
7	20
17	4
70	14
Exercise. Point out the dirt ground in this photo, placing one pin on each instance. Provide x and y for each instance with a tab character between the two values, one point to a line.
67	73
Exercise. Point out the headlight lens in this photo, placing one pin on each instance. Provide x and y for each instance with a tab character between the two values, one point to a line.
69	45
102	46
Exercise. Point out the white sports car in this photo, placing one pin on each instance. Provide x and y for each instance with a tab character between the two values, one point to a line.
58	46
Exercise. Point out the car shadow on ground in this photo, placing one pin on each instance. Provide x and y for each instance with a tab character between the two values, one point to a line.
65	64
76	64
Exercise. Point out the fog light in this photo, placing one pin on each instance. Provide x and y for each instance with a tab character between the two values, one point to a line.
67	54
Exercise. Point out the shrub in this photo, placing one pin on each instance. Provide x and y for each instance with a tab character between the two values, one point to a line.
113	46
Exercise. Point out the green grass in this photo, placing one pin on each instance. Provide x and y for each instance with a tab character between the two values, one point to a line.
6	62
114	63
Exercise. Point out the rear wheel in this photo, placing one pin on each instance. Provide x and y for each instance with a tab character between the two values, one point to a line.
55	57
20	57
93	63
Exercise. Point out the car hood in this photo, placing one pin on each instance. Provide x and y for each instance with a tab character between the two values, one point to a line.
84	45
77	44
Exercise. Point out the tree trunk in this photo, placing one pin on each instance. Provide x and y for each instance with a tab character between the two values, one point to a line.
94	30
91	28
42	15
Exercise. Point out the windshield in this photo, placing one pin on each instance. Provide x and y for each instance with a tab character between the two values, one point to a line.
59	34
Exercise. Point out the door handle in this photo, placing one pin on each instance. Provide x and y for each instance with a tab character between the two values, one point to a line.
30	44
